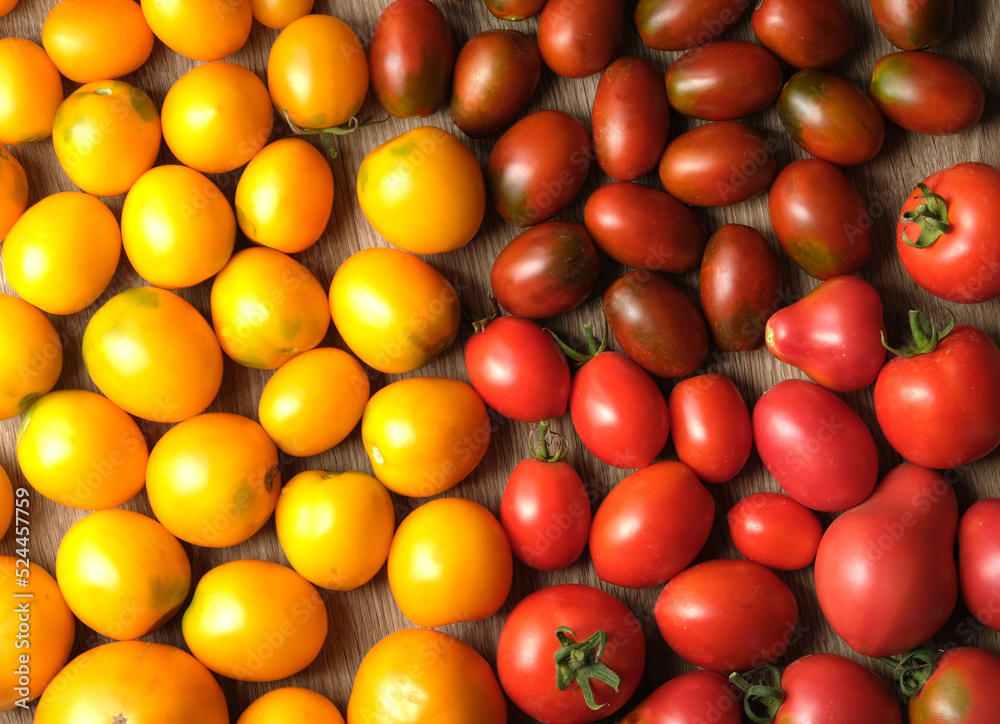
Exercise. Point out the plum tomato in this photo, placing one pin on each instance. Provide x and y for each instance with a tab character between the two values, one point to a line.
691	698
775	530
579	39
683	24
914	25
804	33
978	549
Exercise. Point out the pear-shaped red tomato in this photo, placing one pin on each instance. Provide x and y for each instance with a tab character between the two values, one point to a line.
804	33
683	24
913	25
963	689
578	39
978	552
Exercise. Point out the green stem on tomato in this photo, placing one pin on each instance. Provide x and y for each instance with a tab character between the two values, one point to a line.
924	335
594	346
580	661
912	670
931	216
542	441
767	697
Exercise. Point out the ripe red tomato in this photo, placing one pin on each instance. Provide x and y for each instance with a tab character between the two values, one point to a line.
579	39
683	24
978	551
691	698
804	33
914	25
775	531
961	690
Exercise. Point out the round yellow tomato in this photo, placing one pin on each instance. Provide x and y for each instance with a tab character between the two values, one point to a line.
92	40
177	228
6	502
30	92
63	252
36	633
13	191
137	680
285	196
213	480
81	450
122	573
216	117
198	29
317	72
291	705
335	528
255	621
32	355
279	13
153	355
6	6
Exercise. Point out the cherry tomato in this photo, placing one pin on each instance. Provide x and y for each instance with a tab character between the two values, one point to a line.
690	698
291	704
514	10
978	548
31	89
775	531
913	26
33	355
279	14
577	40
962	689
683	24
13	191
804	33
222	29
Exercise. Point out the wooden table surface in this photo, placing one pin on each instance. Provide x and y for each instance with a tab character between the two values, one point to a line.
360	618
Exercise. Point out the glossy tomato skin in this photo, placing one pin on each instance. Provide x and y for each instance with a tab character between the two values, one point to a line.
774	530
644	228
221	30
683	24
629	119
33	358
962	689
514	10
32	92
689	699
13	191
831	689
289	702
978	548
577	40
913	26
804	33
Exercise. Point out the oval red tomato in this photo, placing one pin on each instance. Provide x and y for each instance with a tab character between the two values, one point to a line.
579	39
514	10
775	531
683	24
962	689
691	698
804	33
914	25
978	551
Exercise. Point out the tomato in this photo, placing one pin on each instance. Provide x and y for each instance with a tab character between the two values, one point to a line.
518	369
961	689
279	14
291	704
691	698
946	238
317	72
31	90
450	562
81	450
651	526
978	547
33	355
546	270
683	24
285	196
153	355
13	191
222	29
216	117
629	118
514	9
718	164
656	324
424	435
423	191
267	308
6	6
213	480
804	33
322	516
817	448
395	311
91	40
582	635
122	574
537	167
419	676
775	531
177	227
644	228
831	118
820	219
885	570
7	502
723	81
913	26
313	401
578	40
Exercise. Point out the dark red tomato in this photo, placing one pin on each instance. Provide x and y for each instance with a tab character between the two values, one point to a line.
533	662
644	228
948	237
775	531
722	81
697	697
515	9
834	334
830	118
718	164
941	407
962	690
815	446
804	33
739	285
656	324
495	74
727	615
537	167
411	58
820	219
544	271
911	25
578	39
711	426
978	552
630	119
683	24
885	570
651	526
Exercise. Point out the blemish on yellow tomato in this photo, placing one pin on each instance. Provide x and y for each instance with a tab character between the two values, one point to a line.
30	92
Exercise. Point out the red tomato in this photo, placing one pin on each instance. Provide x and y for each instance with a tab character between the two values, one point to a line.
691	698
804	33
775	531
683	24
514	10
962	690
913	25
978	552
579	39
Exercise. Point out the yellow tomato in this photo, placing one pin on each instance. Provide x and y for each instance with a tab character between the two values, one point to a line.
317	72
92	40
13	191
153	355
32	355
30	92
81	450
6	502
213	480
255	621
122	573
63	252
291	705
198	29
216	117
177	228
285	196
6	6
36	632
279	13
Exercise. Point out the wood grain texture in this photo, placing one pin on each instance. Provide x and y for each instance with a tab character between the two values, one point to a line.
360	618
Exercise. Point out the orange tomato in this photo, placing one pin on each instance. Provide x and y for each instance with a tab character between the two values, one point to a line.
153	355
13	191
285	196
279	13
177	228
6	6
30	92
32	357
122	573
81	450
213	480
255	621
92	40
291	705
198	29
216	117
63	252
6	502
